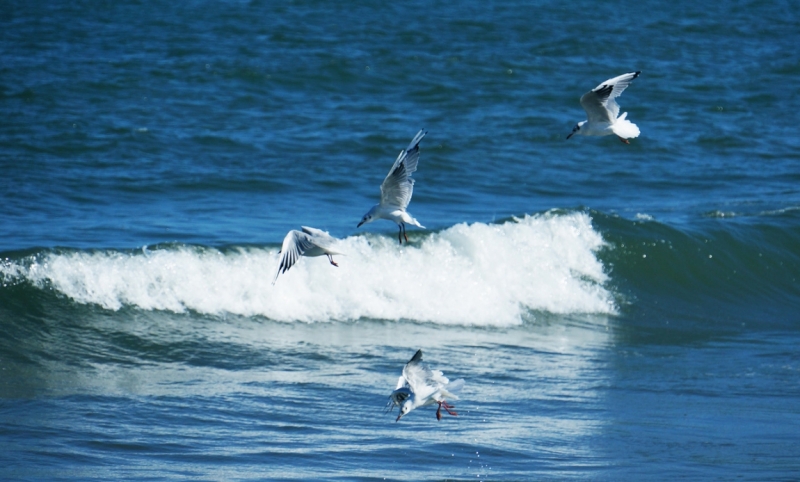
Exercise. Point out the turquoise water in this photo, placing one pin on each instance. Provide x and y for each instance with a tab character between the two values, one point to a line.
618	312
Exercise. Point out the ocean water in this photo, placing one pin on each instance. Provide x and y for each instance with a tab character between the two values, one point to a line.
618	312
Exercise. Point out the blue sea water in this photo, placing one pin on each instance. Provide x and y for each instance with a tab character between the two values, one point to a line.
618	312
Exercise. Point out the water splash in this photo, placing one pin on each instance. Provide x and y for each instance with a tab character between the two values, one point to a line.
477	274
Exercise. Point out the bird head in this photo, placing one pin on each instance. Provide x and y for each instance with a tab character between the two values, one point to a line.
369	217
404	409
576	129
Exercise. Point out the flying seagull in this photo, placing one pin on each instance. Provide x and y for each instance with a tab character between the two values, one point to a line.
602	110
396	190
309	242
419	386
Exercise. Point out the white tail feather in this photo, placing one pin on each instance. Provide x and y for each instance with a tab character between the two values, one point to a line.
452	389
412	221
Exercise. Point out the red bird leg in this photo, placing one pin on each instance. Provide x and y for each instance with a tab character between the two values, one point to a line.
448	407
330	258
439	412
404	233
400	233
624	141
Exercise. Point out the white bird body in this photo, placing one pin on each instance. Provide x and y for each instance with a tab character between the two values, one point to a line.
419	386
396	190
392	213
602	111
310	242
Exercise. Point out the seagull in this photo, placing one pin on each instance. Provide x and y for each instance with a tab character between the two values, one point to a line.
602	110
396	190
419	386
309	242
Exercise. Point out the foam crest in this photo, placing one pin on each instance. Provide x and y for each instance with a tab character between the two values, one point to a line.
478	274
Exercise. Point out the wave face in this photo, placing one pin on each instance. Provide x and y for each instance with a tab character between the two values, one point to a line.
478	274
719	272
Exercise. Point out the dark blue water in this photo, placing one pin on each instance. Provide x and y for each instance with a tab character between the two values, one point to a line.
618	312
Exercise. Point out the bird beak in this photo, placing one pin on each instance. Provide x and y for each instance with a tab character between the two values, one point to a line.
359	224
571	134
398	418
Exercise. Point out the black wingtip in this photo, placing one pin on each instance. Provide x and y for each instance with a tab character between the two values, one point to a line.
605	90
418	138
417	356
636	74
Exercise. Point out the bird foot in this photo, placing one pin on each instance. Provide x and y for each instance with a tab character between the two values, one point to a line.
447	408
625	141
330	258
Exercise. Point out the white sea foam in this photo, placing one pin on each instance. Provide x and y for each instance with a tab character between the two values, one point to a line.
478	274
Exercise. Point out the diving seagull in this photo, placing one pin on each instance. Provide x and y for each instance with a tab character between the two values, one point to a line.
396	190
419	386
309	242
602	110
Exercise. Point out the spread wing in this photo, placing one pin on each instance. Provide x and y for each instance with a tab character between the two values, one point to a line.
599	102
319	237
422	380
294	245
400	394
401	383
397	398
397	188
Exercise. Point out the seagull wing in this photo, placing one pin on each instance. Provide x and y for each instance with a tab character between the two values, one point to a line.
397	188
315	232
422	380
397	398
401	382
599	102
320	238
294	245
399	395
